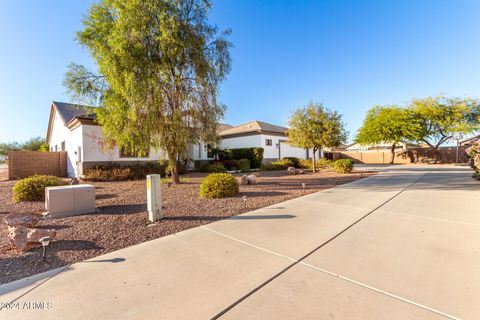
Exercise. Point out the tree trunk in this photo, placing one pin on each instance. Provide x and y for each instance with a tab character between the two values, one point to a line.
393	153
172	161
314	165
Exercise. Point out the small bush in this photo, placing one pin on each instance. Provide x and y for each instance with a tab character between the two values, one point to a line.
33	188
115	172
212	167
103	173
230	165
243	165
324	163
305	163
278	165
343	166
294	160
254	155
219	185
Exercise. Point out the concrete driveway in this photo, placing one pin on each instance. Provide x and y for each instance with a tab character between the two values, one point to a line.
404	244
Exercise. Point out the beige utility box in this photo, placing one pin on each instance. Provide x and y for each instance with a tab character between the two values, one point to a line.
65	201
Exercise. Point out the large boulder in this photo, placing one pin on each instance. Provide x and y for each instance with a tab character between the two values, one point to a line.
21	219
24	238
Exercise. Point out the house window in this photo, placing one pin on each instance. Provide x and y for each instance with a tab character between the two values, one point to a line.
268	142
124	153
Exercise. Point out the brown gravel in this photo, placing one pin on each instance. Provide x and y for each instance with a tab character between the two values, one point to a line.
122	218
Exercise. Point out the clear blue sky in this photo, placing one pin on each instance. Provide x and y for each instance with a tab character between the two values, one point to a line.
350	55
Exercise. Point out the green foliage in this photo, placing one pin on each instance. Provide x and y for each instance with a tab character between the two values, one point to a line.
254	155
390	124
315	127
322	163
5	147
442	118
219	185
160	65
230	165
278	165
213	167
33	188
473	153
243	165
294	160
44	147
33	144
115	172
343	165
305	163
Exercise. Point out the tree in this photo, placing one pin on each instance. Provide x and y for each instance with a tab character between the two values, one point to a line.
442	118
314	127
34	144
390	124
6	146
160	65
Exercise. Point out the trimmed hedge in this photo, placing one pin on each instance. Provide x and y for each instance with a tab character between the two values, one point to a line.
243	165
343	165
219	185
115	172
33	188
212	167
254	155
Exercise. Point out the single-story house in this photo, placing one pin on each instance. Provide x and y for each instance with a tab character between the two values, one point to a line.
72	128
272	138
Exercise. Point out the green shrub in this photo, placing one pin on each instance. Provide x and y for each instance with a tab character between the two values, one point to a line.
324	163
219	185
230	165
254	155
343	165
33	188
115	172
278	165
243	165
305	163
212	167
294	160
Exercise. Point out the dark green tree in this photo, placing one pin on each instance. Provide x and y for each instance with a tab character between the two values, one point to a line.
314	127
160	64
442	117
389	124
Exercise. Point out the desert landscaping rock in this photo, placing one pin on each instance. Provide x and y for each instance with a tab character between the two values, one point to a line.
122	217
24	238
21	219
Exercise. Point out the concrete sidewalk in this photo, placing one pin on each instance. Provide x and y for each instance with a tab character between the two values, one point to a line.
399	245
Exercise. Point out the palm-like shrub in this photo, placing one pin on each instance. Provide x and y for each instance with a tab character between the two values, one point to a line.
219	185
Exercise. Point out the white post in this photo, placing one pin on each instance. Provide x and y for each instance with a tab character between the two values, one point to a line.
154	198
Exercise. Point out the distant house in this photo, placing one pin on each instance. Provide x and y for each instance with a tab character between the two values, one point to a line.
467	142
272	138
72	128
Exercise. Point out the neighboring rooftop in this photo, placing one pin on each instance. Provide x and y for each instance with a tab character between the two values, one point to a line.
254	127
69	111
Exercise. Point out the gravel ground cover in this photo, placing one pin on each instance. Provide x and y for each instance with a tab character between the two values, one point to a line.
122	218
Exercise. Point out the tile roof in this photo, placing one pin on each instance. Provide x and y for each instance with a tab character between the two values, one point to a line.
69	111
254	126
